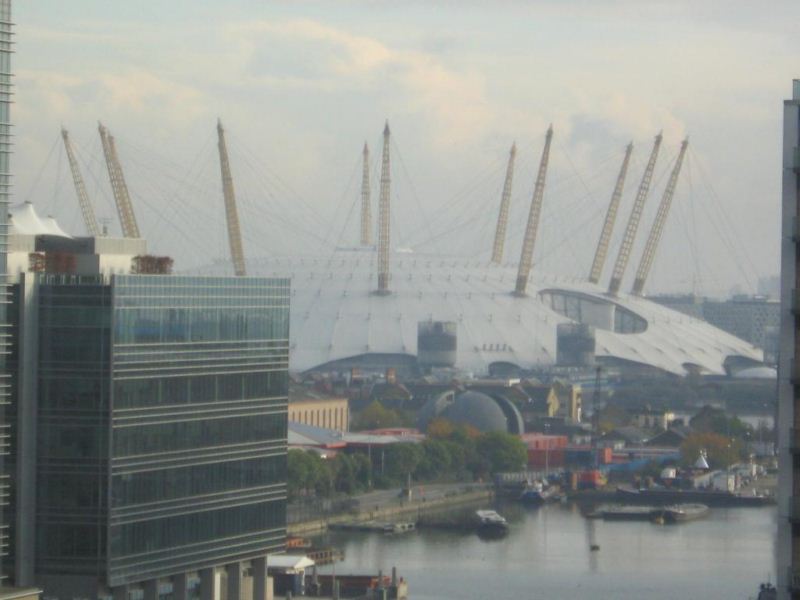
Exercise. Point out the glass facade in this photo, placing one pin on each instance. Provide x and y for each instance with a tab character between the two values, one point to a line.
6	465
162	424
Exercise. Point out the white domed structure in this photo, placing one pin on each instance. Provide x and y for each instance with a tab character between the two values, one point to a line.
338	321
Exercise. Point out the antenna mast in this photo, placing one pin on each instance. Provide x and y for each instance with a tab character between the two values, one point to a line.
122	198
633	221
383	216
502	218
231	215
611	217
658	225
366	214
526	258
89	218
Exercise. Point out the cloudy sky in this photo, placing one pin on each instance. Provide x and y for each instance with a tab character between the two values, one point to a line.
301	85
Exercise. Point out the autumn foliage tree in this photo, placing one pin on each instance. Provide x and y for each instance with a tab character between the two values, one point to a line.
721	451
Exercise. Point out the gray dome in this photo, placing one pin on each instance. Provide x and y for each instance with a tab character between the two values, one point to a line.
478	410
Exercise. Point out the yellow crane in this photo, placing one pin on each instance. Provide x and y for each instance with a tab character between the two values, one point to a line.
611	217
633	221
658	225
528	243
89	218
505	201
231	214
119	188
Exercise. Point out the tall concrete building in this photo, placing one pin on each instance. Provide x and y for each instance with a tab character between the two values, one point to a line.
788	550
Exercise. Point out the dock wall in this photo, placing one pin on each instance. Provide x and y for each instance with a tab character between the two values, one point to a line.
408	509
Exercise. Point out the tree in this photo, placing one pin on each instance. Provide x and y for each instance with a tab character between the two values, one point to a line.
714	420
436	461
503	451
611	417
376	416
307	473
440	428
402	459
721	451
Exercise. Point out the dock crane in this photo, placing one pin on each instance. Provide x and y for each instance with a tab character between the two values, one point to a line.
119	188
611	217
87	211
633	221
658	225
231	214
528	243
505	201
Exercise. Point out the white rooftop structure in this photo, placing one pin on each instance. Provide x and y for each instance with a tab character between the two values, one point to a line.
336	315
23	220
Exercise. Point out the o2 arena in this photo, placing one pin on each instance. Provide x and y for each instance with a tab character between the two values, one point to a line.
364	306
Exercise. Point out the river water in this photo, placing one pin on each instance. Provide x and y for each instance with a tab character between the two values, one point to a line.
547	556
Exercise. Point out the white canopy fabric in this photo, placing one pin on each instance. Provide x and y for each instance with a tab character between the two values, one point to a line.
335	314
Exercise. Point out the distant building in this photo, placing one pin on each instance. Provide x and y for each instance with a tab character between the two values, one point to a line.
570	400
651	418
788	546
310	407
755	319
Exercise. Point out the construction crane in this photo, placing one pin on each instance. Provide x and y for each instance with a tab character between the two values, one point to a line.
526	258
611	217
89	218
383	216
119	188
366	209
633	221
502	217
231	214
658	225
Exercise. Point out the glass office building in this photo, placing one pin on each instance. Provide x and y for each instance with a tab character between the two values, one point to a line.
6	465
161	426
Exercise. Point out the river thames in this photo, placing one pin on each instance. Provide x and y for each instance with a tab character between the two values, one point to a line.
547	556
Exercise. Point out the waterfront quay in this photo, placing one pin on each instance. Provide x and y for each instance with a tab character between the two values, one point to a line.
315	516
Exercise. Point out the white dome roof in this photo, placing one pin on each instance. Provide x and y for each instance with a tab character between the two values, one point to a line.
336	315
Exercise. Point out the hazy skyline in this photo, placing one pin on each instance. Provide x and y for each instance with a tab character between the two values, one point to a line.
302	85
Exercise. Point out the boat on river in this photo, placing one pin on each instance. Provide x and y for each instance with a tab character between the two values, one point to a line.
490	523
538	494
680	513
675	513
661	496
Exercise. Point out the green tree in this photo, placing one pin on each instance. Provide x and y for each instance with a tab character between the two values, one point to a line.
402	459
503	451
376	416
436	461
715	420
720	450
307	473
